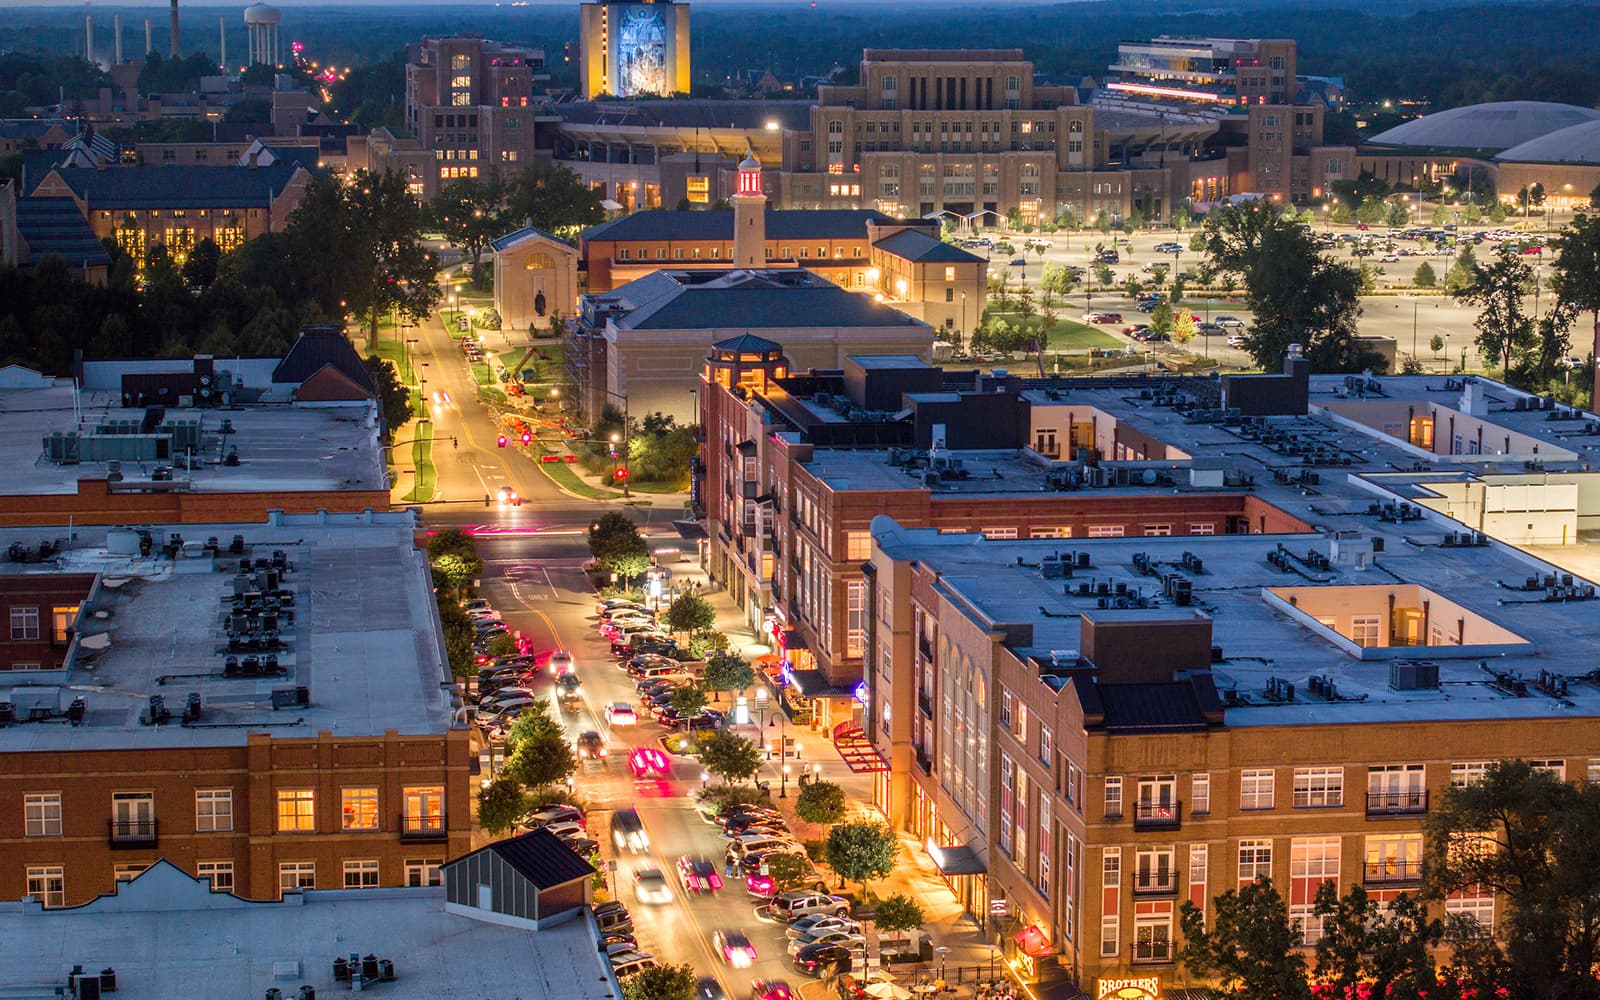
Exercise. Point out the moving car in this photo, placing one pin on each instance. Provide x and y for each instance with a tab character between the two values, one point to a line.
707	988
771	989
627	831
620	713
699	874
561	662
735	948
569	691
506	494
650	885
591	745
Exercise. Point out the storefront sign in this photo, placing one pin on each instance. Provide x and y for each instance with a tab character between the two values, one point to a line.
1141	988
999	907
860	692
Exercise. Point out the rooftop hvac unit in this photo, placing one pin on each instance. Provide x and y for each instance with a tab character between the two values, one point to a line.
1413	675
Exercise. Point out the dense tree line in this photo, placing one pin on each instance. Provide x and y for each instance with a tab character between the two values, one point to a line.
348	252
33	79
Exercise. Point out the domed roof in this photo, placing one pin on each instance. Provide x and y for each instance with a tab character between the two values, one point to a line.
260	13
1573	144
1485	128
750	162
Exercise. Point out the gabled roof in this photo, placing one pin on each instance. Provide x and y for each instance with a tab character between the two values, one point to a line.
309	157
53	226
179	186
510	240
540	857
330	385
316	348
915	245
782	224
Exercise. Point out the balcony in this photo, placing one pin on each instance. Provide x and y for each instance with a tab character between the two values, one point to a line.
1157	815
924	759
1403	802
422	829
1392	872
1155	883
131	834
925	648
925	703
1152	952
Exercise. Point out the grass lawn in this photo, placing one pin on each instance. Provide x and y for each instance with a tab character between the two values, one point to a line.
658	487
1066	334
422	456
492	396
394	351
563	476
480	372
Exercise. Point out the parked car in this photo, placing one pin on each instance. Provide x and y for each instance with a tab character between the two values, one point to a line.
1019	262
555	812
1236	341
1209	330
1168	248
1107	257
1230	322
791	906
616	602
707	988
843	938
820	923
771	989
822	959
631	964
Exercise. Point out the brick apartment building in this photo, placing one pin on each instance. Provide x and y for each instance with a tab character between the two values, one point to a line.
796	465
472	102
176	706
1208	633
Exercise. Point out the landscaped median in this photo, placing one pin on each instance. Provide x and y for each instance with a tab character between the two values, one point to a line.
426	483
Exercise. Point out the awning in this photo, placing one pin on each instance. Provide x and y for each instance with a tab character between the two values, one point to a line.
690	531
611	206
814	684
793	639
745	448
957	860
1034	942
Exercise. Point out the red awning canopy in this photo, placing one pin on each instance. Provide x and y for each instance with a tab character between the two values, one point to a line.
1033	942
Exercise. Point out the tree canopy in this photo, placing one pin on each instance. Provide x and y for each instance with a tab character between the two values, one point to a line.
862	851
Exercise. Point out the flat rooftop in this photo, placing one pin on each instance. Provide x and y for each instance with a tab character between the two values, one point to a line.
166	935
282	447
1263	638
359	635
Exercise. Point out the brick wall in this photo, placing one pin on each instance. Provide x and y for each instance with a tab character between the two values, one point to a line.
95	504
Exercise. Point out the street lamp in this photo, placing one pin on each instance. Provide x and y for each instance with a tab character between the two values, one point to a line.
783	788
761	707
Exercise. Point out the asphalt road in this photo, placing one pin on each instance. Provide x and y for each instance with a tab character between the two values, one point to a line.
537	582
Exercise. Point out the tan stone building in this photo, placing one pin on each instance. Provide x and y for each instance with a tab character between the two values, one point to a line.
535	277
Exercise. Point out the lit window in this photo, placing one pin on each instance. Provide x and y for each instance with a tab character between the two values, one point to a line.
297	811
424	809
359	807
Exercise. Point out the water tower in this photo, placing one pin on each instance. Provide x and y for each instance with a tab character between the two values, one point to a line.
262	24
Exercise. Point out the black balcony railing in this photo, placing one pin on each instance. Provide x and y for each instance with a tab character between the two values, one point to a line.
924	759
132	833
422	828
925	703
1397	803
1152	951
1392	872
1156	883
925	648
1157	815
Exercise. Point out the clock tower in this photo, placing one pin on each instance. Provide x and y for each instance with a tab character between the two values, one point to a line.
750	216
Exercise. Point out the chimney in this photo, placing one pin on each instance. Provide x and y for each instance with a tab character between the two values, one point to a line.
116	31
88	40
222	33
149	39
174	29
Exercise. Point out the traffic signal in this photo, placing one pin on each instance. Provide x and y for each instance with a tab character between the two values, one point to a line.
502	441
622	473
527	437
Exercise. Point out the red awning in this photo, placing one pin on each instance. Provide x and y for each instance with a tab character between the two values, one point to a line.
1033	942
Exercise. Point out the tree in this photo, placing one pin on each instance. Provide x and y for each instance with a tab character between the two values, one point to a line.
663	982
1398	214
258	75
1298	295
898	914
1425	278
200	269
458	636
470	213
727	671
688	700
250	111
1504	330
615	542
1343	943
862	851
1249	945
1131	287
1436	343
394	398
1575	274
452	575
1381	951
1161	317
1370	212
820	802
1057	279
553	198
1183	329
1198	242
730	757
542	755
501	804
690	612
1340	216
787	871
1528	837
1594	199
